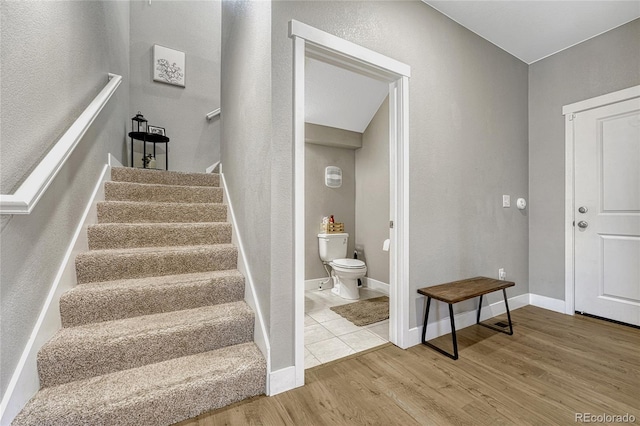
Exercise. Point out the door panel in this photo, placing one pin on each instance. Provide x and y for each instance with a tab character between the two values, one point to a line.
607	232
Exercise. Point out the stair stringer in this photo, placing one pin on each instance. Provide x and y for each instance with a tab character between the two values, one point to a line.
260	335
25	382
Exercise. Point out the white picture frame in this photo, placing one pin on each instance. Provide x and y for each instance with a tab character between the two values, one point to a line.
169	66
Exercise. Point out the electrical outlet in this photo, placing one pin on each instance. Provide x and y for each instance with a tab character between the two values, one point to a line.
506	201
502	275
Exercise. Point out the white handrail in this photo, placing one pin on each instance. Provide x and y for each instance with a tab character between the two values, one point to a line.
213	114
28	194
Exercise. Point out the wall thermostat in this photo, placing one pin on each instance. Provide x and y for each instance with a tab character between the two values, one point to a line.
521	203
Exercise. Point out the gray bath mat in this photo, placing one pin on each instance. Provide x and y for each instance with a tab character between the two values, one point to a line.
365	312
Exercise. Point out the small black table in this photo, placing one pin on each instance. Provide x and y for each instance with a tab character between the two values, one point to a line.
458	291
154	138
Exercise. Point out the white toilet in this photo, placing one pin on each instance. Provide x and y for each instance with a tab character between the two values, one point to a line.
346	272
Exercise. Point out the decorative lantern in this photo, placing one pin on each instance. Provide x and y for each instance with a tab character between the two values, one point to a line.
140	122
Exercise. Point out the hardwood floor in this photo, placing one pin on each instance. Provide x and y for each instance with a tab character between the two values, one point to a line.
553	367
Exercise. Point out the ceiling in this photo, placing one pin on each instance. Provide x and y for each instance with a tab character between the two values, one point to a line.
339	98
533	30
528	29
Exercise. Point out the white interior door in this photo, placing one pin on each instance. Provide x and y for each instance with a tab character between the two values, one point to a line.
607	211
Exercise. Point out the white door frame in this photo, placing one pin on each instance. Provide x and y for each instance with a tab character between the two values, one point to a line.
310	41
569	112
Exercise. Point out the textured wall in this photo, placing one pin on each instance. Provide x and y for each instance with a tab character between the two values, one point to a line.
598	66
194	28
55	57
372	194
322	201
246	150
468	131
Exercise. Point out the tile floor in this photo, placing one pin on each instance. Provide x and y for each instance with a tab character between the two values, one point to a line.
328	336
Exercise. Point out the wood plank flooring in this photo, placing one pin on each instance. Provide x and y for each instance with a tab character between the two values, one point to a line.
553	367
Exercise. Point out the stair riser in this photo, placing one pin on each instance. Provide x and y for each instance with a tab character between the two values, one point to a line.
84	307
131	236
57	366
91	267
123	191
160	213
128	174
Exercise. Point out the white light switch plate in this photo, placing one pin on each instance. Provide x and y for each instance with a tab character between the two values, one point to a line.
506	201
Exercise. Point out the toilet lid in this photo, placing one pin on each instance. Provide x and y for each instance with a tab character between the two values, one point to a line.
349	263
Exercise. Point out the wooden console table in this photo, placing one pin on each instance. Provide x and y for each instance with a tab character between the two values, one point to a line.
458	291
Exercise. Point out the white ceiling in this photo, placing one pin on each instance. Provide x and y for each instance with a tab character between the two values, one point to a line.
533	30
339	98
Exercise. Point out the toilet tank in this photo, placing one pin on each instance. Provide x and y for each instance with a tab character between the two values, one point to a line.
332	246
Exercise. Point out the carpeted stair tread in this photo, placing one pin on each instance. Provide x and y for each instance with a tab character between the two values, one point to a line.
130	235
163	177
137	212
116	264
157	394
126	191
112	300
77	353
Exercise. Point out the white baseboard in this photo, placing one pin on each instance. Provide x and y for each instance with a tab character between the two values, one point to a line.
549	303
314	284
212	168
260	336
282	380
465	319
376	285
25	382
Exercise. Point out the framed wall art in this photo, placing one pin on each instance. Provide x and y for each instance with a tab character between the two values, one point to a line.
156	130
168	65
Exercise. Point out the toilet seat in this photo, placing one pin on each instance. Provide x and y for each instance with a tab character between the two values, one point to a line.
348	263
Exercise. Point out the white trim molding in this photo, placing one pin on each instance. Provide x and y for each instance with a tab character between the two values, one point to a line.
569	112
372	284
25	382
548	303
213	168
260	336
31	190
282	380
312	42
600	101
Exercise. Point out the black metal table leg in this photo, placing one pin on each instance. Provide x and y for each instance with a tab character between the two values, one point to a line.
144	153
479	309
506	304
453	356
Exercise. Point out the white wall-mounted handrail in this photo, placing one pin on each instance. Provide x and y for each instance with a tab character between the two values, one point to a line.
213	114
29	193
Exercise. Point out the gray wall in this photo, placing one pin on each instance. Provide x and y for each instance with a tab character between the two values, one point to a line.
194	28
598	66
55	57
322	201
246	152
468	131
372	194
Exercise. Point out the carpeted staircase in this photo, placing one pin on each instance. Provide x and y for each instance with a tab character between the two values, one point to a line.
156	331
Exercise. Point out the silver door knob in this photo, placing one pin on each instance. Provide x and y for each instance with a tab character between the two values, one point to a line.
583	209
583	224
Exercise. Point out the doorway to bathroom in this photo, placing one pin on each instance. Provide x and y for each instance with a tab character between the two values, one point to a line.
322	50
